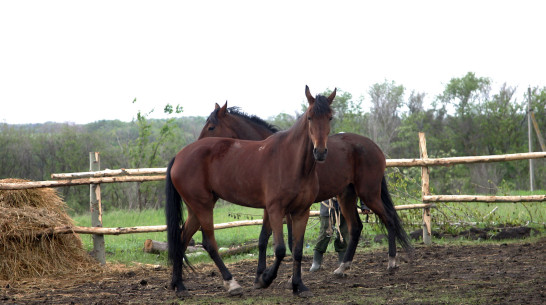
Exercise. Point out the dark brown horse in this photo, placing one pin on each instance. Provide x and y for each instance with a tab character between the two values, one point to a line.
276	174
354	169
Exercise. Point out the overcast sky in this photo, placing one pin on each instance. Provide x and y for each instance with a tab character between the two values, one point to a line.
83	61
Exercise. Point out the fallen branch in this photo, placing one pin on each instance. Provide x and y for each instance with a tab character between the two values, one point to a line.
156	247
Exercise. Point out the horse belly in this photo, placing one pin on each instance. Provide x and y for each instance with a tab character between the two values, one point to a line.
238	182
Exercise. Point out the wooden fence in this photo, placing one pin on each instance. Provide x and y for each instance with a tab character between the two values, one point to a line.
96	176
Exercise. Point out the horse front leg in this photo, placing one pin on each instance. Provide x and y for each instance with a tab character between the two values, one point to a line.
262	249
299	223
270	273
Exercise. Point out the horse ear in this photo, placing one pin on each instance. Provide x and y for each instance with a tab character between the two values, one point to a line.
332	96
310	98
222	111
216	106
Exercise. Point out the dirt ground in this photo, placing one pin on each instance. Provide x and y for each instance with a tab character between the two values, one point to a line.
501	273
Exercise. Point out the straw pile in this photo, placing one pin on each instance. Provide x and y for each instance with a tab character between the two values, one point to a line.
26	249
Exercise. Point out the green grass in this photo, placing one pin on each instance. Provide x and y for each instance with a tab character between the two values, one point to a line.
127	248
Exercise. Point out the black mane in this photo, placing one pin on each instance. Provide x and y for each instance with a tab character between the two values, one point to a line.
321	106
213	118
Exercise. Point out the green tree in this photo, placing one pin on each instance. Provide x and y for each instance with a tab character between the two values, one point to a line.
144	151
386	98
465	95
283	120
348	116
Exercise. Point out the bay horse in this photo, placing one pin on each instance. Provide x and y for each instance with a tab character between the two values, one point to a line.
355	168
276	174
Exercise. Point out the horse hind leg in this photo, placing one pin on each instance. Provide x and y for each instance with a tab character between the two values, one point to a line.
381	204
190	226
210	245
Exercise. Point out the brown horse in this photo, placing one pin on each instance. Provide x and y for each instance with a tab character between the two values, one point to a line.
354	169
276	174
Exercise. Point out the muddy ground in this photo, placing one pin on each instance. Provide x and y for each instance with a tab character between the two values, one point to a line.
501	273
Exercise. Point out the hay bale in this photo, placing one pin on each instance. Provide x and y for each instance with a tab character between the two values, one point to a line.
25	251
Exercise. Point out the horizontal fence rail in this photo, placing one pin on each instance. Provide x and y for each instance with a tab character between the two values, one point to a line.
112	172
476	198
80	181
162	228
463	160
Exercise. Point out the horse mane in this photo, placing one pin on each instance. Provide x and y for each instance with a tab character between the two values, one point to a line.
213	118
322	106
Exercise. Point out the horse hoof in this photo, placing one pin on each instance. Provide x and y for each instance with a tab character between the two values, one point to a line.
340	271
340	274
260	283
392	270
233	287
236	291
305	294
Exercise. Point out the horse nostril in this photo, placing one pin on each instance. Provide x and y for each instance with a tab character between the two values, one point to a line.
325	150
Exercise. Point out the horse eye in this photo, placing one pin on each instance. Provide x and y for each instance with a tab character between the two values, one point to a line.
211	128
330	118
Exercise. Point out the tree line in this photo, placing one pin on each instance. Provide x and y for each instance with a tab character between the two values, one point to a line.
466	119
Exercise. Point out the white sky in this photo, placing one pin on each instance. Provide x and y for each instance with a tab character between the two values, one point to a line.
83	61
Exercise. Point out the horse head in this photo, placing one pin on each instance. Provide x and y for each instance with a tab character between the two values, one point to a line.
319	114
217	124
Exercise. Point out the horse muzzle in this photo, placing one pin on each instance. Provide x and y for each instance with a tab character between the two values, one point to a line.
320	154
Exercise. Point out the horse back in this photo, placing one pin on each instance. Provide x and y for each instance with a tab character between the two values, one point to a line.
351	158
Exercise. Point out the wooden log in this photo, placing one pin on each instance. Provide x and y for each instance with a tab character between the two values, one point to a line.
106	231
478	198
111	173
162	228
154	247
95	206
239	249
537	131
58	183
139	229
425	189
414	206
463	160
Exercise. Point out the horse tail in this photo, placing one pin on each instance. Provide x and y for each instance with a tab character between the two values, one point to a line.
392	215
173	213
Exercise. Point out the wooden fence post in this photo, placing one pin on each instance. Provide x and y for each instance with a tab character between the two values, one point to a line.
425	190
96	210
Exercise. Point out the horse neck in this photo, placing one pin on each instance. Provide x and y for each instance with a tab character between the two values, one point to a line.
248	130
300	145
